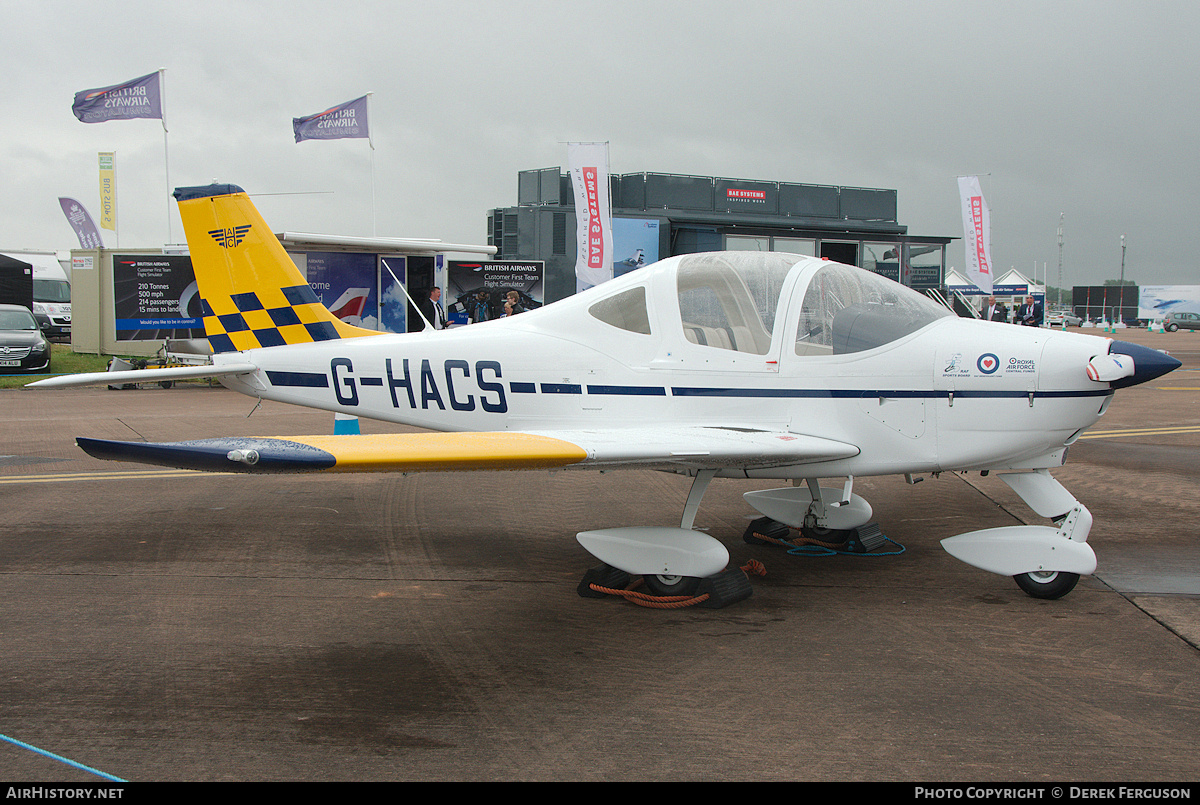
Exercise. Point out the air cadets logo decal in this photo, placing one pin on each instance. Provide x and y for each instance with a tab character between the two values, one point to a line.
230	237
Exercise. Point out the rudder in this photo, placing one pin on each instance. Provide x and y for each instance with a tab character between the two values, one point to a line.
252	294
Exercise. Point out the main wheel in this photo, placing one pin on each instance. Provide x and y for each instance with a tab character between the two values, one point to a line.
1172	328
1047	584
671	585
829	536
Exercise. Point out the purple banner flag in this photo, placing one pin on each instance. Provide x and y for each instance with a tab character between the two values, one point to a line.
141	97
81	222
347	120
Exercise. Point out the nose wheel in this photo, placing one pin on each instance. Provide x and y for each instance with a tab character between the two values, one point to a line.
1047	584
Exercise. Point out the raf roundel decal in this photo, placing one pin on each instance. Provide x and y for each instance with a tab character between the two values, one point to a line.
988	363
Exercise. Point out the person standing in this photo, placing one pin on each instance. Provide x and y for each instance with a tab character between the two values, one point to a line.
512	304
431	308
1030	313
480	309
995	311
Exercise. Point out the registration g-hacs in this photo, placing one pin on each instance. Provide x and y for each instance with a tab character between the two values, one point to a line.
715	365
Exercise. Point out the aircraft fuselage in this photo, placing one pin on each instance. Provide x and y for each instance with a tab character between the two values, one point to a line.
957	394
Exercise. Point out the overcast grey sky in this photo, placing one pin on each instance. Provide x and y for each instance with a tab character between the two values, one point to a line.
1088	109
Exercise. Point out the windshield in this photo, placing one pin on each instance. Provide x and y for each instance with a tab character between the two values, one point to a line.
51	291
849	309
17	320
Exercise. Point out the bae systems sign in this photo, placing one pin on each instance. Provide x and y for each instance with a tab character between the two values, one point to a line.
739	195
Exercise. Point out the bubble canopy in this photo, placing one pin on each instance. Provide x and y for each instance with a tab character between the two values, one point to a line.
744	301
847	309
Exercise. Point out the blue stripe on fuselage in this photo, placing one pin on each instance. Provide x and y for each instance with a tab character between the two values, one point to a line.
429	383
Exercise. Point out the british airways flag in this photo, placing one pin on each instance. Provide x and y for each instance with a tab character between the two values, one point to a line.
345	120
141	97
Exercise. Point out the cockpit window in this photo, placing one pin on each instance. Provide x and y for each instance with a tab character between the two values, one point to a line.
849	309
728	300
626	310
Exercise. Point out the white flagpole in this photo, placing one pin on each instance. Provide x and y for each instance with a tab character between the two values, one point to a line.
608	179
371	142
162	102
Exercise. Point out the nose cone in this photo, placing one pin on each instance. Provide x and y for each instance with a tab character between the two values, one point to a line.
1147	363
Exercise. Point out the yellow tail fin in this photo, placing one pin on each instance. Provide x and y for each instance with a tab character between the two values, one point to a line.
252	294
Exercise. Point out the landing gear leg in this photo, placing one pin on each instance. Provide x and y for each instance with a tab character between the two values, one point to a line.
695	494
824	514
1046	562
670	584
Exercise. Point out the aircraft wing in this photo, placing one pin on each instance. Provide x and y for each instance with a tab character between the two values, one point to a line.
652	448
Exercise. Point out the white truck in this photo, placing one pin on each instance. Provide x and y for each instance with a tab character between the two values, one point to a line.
51	290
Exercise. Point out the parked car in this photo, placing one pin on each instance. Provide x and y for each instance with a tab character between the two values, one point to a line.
1176	319
23	348
1059	318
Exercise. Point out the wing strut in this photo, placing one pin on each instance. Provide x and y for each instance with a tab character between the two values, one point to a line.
699	487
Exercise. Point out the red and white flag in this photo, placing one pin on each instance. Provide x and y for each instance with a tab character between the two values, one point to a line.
588	165
977	233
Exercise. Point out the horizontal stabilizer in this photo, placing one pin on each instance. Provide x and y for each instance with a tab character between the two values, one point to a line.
142	376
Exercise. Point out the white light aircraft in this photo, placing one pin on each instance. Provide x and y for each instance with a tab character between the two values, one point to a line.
724	364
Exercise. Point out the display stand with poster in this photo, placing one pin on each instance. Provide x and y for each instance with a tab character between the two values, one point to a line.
476	290
155	298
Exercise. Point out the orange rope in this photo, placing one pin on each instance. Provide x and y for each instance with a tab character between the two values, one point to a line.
756	567
653	601
672	601
800	543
